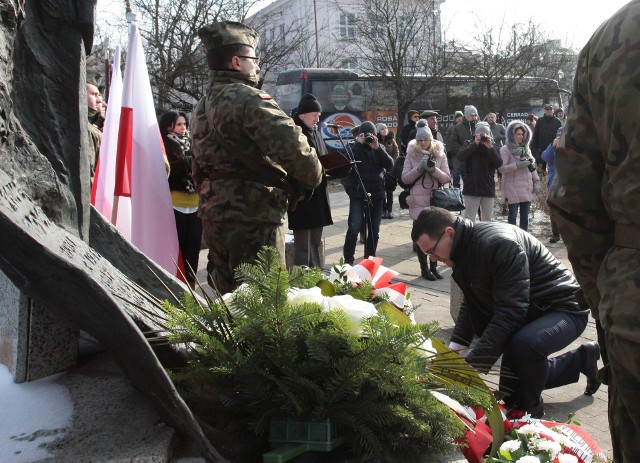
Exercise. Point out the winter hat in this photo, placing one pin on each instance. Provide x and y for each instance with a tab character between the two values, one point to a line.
411	113
458	113
423	134
367	127
482	127
309	104
428	113
381	127
470	111
421	123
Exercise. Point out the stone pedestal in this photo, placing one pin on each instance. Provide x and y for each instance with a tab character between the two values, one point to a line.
34	342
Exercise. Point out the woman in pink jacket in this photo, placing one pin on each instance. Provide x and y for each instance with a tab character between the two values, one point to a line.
425	167
520	181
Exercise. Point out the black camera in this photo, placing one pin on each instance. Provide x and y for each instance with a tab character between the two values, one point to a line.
531	167
484	138
431	163
368	138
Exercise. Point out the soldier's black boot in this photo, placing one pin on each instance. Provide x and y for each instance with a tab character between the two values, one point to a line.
589	368
433	266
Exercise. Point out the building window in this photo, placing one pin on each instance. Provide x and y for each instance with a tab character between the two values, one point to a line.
377	30
350	64
347	26
406	26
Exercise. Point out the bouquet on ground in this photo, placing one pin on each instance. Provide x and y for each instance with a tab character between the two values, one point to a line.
295	346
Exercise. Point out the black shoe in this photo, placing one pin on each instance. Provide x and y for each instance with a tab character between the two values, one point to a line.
389	215
434	269
361	240
554	239
426	273
590	356
536	411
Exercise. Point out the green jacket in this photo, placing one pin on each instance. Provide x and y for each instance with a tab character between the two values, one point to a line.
595	195
248	154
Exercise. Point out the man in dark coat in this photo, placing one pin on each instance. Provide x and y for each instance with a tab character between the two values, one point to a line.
519	300
366	190
478	162
311	215
543	134
405	134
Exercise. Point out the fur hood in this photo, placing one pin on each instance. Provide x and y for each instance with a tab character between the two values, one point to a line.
438	148
511	128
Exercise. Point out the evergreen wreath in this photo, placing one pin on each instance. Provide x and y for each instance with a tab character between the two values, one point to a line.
258	359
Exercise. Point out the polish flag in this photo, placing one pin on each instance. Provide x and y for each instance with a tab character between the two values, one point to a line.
141	207
105	175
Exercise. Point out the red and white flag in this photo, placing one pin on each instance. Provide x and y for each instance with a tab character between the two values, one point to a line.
140	176
104	180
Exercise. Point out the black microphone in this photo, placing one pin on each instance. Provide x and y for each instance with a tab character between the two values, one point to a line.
331	126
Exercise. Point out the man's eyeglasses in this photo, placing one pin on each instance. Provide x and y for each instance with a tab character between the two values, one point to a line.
433	249
255	58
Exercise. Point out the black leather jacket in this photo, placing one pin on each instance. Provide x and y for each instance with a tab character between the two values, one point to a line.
508	279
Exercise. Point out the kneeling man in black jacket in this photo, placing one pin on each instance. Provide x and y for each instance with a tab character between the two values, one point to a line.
518	299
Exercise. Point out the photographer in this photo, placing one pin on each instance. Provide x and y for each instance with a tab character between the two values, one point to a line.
425	167
478	162
366	190
520	181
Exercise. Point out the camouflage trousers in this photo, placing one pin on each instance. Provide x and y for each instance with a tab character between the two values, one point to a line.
619	285
233	243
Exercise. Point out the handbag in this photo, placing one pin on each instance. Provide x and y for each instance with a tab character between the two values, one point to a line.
402	198
404	194
447	198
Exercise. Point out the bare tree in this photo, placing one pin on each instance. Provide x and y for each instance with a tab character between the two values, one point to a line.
399	41
500	60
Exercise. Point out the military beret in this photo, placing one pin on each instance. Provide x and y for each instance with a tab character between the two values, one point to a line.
220	34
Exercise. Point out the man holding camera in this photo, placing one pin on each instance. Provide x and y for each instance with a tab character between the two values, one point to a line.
366	190
478	162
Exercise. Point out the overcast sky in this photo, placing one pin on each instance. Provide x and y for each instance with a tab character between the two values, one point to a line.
572	21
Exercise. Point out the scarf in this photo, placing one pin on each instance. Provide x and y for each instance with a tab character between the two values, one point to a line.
521	152
181	140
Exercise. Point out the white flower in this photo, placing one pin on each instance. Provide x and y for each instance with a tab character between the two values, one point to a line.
355	309
548	446
510	446
528	459
298	296
528	429
566	458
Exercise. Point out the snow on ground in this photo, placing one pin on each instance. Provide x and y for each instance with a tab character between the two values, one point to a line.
31	414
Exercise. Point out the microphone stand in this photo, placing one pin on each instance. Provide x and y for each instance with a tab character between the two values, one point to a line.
368	203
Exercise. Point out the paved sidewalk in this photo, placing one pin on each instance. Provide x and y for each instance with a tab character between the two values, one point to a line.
433	301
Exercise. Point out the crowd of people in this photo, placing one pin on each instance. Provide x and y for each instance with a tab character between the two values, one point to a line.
242	165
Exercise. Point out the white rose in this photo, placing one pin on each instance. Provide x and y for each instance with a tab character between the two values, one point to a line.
528	459
298	296
566	458
548	446
510	446
528	429
355	309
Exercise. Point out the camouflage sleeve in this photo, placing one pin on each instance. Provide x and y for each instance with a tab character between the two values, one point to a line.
590	151
282	141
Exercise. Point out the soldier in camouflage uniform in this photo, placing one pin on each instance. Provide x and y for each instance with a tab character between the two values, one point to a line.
595	199
249	156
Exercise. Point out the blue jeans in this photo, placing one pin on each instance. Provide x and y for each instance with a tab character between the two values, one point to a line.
524	214
388	201
356	217
526	369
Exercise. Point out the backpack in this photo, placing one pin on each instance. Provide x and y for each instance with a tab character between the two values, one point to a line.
396	171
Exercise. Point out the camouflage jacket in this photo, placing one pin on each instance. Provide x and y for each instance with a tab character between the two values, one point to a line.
596	190
95	138
248	155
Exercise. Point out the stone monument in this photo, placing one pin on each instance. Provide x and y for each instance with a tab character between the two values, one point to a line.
64	268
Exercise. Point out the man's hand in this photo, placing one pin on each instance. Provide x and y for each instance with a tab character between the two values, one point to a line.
374	144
